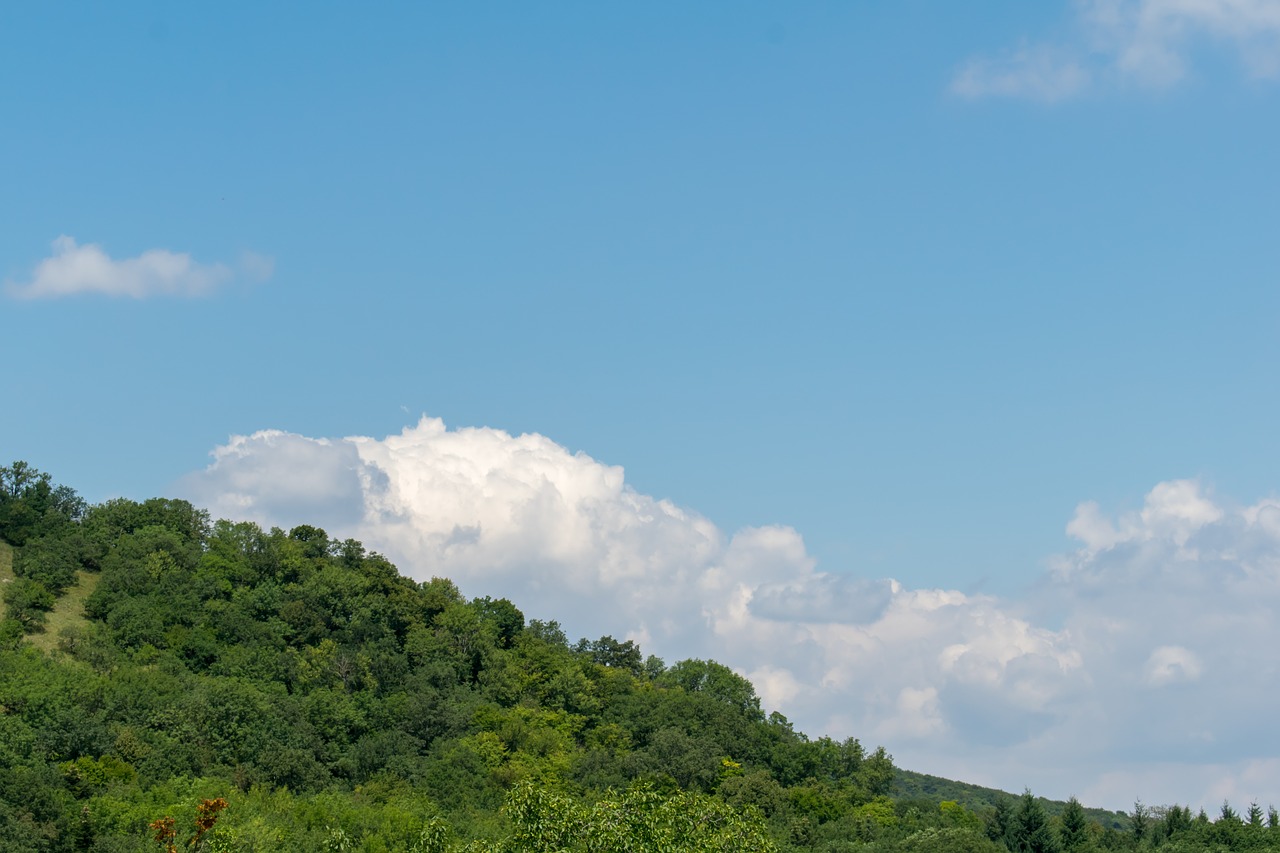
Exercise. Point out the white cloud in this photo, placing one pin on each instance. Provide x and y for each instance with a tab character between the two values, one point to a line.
1173	510
1170	665
75	269
917	715
1040	73
1154	639
1150	43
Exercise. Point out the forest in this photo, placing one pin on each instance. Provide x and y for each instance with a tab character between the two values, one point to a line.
172	682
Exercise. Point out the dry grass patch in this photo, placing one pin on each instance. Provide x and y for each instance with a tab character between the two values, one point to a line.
6	563
67	612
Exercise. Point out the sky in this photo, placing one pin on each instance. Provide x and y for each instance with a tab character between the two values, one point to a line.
915	360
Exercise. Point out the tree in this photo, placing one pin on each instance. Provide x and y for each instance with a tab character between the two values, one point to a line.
607	651
28	602
166	831
1074	833
31	505
1228	828
53	560
1030	828
640	819
1177	819
1140	820
506	618
951	839
1000	823
715	680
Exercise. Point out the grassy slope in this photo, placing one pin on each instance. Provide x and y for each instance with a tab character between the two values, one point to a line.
67	611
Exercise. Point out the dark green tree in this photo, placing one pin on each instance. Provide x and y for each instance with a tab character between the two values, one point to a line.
31	505
1000	823
28	601
506	618
1074	833
1177	820
1030	828
607	651
1140	820
53	559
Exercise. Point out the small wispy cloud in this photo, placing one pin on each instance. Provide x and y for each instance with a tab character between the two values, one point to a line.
74	269
1037	72
1148	43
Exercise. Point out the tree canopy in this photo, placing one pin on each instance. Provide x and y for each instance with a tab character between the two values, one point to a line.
238	688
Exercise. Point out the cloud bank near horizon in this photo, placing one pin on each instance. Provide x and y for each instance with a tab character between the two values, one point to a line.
1140	665
1144	43
74	269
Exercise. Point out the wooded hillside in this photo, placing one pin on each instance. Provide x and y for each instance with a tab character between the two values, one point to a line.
166	679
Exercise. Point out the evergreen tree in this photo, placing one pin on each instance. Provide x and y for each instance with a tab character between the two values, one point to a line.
1176	820
1140	820
1031	832
1000	823
1075	826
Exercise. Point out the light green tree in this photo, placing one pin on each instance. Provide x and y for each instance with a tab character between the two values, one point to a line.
639	820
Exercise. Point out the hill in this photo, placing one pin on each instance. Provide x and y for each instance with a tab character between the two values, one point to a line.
169	680
908	785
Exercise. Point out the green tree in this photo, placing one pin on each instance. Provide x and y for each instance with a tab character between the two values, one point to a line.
1140	820
505	617
1000	823
52	559
1177	820
640	819
1074	832
1030	832
31	505
28	602
716	681
952	839
607	651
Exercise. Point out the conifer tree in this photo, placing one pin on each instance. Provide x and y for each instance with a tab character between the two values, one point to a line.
1140	820
1031	832
1075	826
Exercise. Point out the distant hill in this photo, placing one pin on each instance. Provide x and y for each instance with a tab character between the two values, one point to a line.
908	785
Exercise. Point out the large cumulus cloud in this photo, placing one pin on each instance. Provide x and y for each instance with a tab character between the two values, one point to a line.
1141	665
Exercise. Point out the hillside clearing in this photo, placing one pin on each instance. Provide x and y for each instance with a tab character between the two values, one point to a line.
68	611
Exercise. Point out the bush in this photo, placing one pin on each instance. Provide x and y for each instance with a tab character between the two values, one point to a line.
28	602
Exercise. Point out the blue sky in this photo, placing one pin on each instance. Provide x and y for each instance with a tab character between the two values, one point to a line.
912	280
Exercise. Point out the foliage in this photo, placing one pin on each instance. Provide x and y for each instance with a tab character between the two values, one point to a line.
290	690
